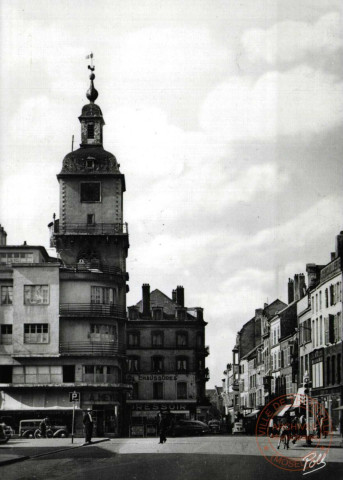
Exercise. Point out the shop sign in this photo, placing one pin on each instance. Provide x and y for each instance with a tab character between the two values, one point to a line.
100	397
155	407
157	378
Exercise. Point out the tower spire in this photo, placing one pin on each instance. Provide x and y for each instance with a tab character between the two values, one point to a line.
92	93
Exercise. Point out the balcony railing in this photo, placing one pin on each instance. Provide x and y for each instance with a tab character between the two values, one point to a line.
92	228
92	267
92	348
91	310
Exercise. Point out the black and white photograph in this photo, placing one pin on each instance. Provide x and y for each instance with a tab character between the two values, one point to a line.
171	239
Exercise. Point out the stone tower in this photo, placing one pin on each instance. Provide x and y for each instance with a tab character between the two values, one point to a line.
91	240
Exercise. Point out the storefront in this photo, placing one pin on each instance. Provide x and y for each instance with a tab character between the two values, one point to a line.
143	414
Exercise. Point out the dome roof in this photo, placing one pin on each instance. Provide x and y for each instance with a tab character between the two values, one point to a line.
91	110
90	160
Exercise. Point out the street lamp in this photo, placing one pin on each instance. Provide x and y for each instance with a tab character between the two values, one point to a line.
306	384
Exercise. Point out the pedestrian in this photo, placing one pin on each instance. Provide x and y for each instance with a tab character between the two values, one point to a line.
163	428
318	426
295	429
88	425
43	426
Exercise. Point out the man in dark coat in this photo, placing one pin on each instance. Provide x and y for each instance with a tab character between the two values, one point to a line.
88	425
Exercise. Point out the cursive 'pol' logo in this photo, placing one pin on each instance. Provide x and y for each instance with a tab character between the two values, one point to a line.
313	462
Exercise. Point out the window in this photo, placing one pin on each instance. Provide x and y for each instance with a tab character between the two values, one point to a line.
182	390
133	339
157	364
9	258
157	314
320	330
157	339
133	364
90	191
68	373
328	370
332	295
6	334
158	391
103	332
90	219
181	314
182	364
6	295
320	300
339	368
36	294
5	374
100	373
333	369
37	374
36	333
90	130
316	302
326	298
103	295
181	339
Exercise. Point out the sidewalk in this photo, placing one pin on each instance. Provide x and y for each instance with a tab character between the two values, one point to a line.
19	449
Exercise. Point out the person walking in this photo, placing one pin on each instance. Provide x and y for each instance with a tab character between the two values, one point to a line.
44	426
163	428
88	425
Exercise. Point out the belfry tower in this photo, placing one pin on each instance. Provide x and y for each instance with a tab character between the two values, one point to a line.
91	240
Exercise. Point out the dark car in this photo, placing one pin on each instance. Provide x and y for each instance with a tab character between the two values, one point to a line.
31	429
188	427
215	426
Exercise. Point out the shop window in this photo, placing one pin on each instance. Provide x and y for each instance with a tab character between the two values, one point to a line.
5	373
6	295
157	364
36	333
36	294
158	390
6	334
182	390
68	373
90	191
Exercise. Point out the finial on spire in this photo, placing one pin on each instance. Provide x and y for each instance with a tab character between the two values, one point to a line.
92	93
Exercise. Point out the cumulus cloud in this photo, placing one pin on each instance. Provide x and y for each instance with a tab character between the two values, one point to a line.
299	101
291	41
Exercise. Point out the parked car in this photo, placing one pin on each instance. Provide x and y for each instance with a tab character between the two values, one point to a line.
31	429
238	428
188	427
3	437
7	429
214	425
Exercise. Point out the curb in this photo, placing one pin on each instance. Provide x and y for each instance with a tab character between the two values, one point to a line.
71	447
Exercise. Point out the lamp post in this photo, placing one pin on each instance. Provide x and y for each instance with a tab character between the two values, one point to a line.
306	392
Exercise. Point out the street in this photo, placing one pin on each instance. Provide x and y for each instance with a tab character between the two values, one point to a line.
191	458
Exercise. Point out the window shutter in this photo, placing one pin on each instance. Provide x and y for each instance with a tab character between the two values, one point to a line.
331	328
326	324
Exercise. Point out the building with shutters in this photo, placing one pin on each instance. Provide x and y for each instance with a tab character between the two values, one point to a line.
166	355
62	321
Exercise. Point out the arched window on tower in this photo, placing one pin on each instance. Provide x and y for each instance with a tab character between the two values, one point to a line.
90	131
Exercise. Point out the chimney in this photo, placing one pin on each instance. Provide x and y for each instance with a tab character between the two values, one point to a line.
333	256
290	290
313	273
339	246
174	296
3	237
180	296
299	286
146	299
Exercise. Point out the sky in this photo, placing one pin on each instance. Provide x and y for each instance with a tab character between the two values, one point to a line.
226	119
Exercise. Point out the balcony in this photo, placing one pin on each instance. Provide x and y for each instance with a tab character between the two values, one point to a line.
91	268
91	310
91	229
92	348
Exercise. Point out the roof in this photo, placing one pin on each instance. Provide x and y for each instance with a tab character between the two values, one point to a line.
103	162
28	247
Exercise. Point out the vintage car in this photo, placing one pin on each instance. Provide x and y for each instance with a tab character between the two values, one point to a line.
238	428
3	437
188	427
31	429
215	426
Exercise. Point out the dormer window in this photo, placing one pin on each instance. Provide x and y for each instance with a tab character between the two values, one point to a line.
90	163
90	131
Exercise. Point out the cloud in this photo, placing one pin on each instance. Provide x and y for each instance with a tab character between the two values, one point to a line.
291	41
299	101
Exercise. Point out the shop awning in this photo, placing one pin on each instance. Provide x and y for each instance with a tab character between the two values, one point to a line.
299	398
252	414
8	402
282	410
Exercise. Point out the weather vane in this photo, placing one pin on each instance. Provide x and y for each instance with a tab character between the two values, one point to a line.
91	67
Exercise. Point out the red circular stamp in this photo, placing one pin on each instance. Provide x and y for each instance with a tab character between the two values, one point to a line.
290	421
